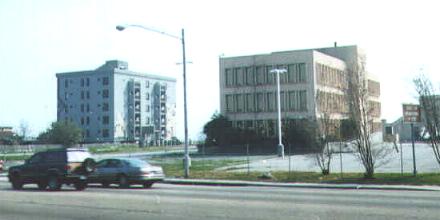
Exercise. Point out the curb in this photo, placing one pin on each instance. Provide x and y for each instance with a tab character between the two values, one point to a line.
300	185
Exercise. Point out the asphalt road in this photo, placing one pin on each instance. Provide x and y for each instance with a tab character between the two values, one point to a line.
165	201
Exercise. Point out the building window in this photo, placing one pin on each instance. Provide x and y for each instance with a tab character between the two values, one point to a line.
105	120
229	77
147	96
260	102
259	75
105	107
250	102
82	94
87	120
270	101
82	107
105	81
105	133
249	76
238	76
82	121
82	82
239	103
87	82
105	93
229	103
66	83
87	107
147	84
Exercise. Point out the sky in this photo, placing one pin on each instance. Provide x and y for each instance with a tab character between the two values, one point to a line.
41	38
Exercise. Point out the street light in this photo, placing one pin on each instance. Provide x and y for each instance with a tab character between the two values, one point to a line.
280	148
186	159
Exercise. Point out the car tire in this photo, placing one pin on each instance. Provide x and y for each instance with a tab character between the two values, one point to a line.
123	181
16	182
89	165
148	185
80	185
54	183
42	185
105	184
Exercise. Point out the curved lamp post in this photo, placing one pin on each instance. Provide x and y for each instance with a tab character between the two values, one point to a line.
186	159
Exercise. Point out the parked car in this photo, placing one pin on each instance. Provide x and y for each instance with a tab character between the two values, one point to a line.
125	172
1	165
51	169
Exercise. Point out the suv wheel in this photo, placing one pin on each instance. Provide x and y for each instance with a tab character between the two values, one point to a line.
42	185
80	185
123	181
54	183
16	182
148	185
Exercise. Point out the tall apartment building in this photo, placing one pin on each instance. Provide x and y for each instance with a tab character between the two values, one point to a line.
315	82
113	104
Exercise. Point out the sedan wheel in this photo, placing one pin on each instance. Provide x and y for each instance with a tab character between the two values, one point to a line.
148	185
16	182
123	181
42	185
80	185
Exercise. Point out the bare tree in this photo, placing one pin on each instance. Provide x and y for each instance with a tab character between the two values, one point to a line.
361	114
430	105
324	154
325	132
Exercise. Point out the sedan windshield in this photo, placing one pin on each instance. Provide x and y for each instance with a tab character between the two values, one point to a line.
138	163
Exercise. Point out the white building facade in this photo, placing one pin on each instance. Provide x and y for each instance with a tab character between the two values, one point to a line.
114	104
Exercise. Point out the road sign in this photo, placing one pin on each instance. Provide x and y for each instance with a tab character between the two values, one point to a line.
411	113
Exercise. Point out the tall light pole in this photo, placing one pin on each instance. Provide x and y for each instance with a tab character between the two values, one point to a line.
280	147
186	159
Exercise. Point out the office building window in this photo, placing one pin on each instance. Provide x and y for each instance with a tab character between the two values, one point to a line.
229	77
82	82
250	80
87	94
238	72
82	107
105	81
147	84
82	94
87	82
250	102
270	76
66	83
238	103
270	101
105	107
229	103
105	93
87	120
259	75
260	102
105	133
82	121
105	120
88	107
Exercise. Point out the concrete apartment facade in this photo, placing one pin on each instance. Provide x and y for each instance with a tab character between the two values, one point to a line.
115	104
315	83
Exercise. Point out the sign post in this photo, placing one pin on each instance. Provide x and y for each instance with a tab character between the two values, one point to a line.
411	114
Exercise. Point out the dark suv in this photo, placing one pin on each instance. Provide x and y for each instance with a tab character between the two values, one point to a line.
51	169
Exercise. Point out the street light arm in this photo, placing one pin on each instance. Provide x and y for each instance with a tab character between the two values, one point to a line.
123	27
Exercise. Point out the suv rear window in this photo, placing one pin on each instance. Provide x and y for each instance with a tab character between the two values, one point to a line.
77	156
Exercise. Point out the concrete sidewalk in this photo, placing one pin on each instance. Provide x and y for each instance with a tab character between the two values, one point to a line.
298	185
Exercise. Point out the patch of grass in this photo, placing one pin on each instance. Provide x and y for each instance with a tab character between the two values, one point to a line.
208	169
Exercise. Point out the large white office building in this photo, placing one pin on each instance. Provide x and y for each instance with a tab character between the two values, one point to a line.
315	82
115	104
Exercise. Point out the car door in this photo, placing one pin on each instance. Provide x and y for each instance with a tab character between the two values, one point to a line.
31	171
99	175
113	170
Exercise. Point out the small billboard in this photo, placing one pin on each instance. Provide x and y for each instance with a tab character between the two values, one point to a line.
411	113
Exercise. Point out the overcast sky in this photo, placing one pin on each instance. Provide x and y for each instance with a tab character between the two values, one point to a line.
44	37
